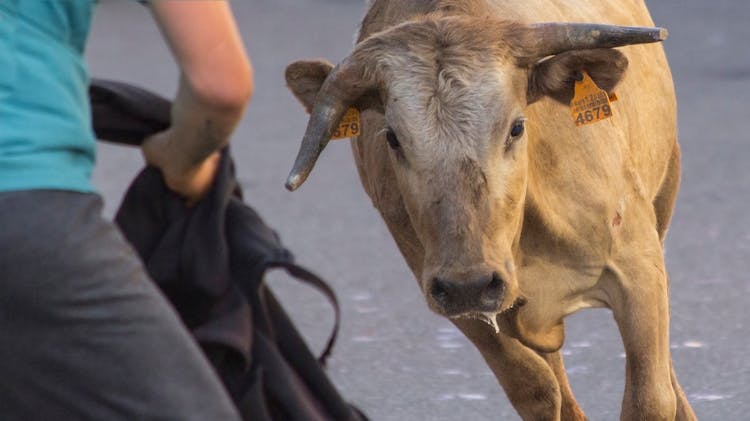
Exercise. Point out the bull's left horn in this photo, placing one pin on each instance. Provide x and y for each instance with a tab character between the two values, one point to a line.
325	114
341	88
546	39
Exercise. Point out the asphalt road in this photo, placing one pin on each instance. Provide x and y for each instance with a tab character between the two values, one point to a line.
397	360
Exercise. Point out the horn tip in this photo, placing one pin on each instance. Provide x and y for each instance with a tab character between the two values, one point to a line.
293	182
663	34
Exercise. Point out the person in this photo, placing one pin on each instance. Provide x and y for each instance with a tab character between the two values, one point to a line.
84	333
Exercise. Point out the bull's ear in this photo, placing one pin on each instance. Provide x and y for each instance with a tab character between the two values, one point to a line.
304	78
556	76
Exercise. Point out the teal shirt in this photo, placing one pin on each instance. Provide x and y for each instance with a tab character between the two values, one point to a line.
46	139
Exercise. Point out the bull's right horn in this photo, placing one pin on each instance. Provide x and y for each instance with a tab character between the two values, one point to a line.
340	89
546	39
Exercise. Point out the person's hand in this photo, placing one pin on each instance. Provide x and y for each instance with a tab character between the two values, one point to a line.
192	182
216	82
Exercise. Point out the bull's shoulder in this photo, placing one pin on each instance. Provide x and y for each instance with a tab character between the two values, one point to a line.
382	14
620	12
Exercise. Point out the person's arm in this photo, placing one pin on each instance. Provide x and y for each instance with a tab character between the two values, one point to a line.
215	86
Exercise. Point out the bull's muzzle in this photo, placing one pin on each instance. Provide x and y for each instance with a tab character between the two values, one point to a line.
455	297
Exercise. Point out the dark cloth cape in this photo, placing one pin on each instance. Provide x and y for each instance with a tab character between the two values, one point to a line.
210	261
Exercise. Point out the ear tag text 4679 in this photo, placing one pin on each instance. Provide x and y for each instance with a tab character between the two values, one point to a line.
349	126
590	104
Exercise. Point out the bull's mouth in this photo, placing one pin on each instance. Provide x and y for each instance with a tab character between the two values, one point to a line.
491	317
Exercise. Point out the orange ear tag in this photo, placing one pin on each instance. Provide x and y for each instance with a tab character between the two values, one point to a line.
590	104
349	126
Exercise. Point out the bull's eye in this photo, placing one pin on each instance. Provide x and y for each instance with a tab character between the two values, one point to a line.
516	131
392	139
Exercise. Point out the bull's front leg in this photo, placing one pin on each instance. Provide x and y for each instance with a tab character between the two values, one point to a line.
529	380
684	410
637	288
569	410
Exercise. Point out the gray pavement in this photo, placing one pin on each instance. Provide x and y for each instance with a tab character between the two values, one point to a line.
397	360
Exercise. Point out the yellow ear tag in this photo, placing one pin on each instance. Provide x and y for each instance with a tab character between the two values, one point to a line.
349	126
590	104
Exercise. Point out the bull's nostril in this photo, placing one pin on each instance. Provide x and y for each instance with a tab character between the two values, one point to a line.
493	291
496	285
439	291
496	282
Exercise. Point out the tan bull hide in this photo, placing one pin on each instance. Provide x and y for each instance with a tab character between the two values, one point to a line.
509	215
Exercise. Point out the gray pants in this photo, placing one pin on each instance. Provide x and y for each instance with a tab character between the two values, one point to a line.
84	333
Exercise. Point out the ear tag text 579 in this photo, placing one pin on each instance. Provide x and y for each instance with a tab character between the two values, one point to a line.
590	103
349	126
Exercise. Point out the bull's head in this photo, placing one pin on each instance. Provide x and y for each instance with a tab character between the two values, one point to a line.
452	92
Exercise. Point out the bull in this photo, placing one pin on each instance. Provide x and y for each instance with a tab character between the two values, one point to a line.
511	216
